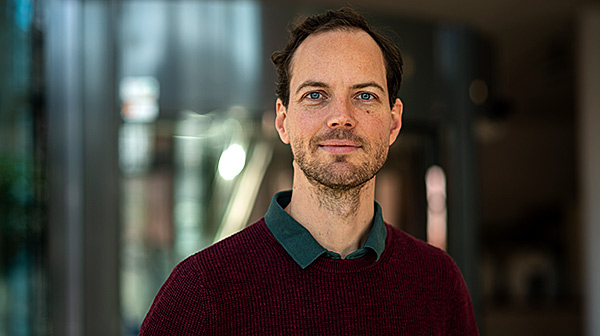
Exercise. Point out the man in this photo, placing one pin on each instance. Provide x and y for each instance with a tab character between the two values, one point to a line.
322	261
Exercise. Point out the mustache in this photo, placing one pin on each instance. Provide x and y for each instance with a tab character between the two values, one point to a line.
338	134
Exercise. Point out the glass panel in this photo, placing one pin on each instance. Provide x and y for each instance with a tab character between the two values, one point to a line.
183	202
188	153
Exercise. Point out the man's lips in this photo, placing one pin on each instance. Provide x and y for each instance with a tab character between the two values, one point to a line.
339	146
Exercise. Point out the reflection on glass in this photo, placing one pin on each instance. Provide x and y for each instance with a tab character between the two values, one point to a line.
184	168
174	209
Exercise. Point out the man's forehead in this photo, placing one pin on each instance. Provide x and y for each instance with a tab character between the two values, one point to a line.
351	51
320	42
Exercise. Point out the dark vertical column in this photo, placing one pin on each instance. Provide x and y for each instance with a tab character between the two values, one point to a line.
457	60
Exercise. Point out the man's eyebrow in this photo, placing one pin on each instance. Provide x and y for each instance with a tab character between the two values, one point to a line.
368	84
311	83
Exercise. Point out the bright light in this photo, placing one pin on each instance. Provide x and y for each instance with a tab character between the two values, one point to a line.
435	183
232	162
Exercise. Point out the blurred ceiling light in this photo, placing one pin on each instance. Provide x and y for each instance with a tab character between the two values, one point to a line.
232	162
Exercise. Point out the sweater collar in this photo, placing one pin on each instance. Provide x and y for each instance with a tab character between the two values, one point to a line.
302	246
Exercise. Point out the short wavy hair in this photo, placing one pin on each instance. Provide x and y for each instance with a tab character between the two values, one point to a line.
344	18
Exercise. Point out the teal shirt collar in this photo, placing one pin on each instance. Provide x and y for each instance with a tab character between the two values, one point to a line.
302	246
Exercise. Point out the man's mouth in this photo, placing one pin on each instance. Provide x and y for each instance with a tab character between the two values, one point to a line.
339	146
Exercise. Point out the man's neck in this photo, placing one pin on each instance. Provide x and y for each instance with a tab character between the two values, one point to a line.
340	220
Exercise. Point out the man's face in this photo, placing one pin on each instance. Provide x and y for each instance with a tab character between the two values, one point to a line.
338	120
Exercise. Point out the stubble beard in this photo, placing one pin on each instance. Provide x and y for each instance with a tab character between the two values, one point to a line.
339	182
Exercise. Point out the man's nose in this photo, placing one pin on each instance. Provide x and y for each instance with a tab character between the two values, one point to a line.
342	114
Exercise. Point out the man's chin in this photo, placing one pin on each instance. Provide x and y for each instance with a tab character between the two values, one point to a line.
343	173
337	180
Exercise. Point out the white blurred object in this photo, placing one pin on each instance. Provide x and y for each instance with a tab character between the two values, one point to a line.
232	162
139	97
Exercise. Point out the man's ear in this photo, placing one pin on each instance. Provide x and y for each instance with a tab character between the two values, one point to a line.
396	122
280	121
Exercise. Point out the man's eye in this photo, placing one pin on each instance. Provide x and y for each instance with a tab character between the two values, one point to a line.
315	95
365	96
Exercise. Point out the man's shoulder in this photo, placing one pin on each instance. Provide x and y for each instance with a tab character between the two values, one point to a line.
247	240
249	247
230	263
412	249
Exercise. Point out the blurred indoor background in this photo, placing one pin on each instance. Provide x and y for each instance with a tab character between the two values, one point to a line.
135	133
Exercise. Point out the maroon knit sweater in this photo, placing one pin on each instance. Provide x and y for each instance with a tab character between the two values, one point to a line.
247	284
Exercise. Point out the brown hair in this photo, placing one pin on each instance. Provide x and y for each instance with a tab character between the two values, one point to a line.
344	18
